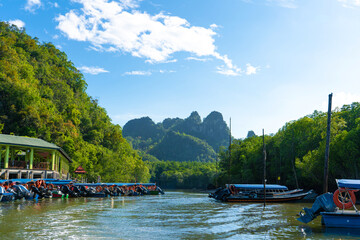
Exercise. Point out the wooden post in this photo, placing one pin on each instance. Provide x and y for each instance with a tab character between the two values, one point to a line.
264	150
7	152
31	158
327	149
60	166
230	154
216	168
53	160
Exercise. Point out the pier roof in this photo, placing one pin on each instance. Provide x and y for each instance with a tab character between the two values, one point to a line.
13	140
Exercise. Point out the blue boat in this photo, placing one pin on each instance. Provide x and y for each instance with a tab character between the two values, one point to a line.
333	207
255	193
5	196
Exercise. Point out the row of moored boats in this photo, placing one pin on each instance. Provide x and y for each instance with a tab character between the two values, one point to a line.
53	188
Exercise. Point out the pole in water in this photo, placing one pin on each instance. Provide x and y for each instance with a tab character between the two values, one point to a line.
230	154
264	150
327	149
216	167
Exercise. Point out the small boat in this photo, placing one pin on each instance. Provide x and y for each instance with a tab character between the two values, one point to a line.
5	196
333	207
255	193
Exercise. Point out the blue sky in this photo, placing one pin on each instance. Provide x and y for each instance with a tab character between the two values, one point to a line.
261	62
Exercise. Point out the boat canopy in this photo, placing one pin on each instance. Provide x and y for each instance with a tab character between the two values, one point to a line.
111	184
260	186
348	183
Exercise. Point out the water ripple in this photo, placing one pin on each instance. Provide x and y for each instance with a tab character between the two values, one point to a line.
176	215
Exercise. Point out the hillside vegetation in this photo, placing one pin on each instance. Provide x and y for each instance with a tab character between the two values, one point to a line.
180	153
296	153
178	139
43	95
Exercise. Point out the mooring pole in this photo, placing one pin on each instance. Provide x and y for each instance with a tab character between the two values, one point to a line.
230	155
264	150
327	149
216	167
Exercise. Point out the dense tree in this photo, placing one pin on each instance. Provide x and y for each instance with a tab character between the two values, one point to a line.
183	175
296	153
43	95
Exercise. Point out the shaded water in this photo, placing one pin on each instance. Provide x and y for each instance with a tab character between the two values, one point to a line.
175	215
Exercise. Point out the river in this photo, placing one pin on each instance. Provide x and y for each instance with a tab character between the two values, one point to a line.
175	215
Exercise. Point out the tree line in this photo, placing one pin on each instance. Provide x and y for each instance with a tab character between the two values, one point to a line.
43	95
296	153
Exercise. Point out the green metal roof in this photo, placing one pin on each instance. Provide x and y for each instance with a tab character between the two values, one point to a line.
30	142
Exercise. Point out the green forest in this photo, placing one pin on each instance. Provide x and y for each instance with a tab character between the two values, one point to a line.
43	95
296	153
182	175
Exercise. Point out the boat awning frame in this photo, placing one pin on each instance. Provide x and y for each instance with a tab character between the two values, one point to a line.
259	186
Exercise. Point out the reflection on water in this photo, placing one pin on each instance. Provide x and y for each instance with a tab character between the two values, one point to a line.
175	215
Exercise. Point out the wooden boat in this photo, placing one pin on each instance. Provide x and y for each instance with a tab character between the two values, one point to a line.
332	207
255	193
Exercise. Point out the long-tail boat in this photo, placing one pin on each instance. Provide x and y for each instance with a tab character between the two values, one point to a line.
255	193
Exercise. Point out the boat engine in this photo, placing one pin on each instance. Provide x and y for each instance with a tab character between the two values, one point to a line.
160	190
323	203
21	192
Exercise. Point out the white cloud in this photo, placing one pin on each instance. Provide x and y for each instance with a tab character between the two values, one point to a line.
17	22
166	71
198	59
340	99
284	3
140	73
148	73
228	69
32	5
350	3
228	72
92	70
119	26
250	69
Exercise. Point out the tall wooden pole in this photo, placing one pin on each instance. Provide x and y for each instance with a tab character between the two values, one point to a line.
327	149
230	154
216	167
264	150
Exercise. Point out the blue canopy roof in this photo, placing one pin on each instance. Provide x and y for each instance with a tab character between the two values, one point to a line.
260	186
111	184
348	183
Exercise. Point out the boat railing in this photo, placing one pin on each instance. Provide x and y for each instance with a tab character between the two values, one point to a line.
17	164
42	166
288	192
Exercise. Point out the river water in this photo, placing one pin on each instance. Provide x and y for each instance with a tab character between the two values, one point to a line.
175	215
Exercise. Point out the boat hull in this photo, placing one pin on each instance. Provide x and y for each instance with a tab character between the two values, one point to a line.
6	197
275	199
341	219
